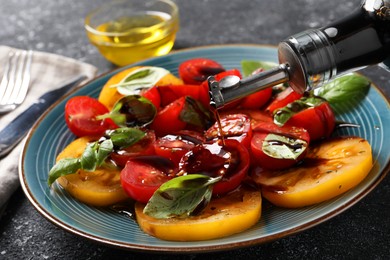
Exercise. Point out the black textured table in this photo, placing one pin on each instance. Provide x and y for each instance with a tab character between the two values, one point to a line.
361	232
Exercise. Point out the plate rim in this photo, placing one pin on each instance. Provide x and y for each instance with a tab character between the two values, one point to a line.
181	249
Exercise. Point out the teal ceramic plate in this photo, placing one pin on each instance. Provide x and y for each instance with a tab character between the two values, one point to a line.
50	135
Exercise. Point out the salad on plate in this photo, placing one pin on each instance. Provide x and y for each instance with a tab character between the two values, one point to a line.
151	140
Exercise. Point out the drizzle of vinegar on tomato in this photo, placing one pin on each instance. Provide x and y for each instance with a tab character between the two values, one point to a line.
220	130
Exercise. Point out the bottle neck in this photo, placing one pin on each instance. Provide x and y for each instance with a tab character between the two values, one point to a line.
311	59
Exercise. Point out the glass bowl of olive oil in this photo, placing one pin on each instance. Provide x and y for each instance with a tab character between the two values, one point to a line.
127	31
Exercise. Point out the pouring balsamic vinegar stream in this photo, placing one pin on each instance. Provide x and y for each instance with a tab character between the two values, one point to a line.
312	58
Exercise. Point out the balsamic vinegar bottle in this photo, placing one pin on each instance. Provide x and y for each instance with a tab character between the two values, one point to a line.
313	57
358	40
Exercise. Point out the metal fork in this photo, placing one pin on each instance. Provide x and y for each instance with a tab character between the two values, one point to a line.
15	81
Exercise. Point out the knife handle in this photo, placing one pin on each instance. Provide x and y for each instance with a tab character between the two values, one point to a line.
14	132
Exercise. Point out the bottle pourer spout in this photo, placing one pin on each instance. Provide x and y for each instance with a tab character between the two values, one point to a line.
231	88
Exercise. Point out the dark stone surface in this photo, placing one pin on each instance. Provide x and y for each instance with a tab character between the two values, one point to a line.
361	232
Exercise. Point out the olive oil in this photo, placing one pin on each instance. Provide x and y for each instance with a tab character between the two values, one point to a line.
128	39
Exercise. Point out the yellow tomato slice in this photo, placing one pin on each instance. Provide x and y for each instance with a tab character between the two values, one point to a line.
224	216
109	95
330	169
99	188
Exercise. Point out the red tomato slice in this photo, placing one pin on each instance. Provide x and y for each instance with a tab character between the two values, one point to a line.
153	95
256	100
283	99
195	71
81	113
142	176
170	93
194	136
293	131
234	126
232	72
145	146
319	121
277	162
231	161
168	119
255	115
174	146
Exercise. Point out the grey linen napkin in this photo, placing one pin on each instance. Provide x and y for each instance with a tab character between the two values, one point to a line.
47	72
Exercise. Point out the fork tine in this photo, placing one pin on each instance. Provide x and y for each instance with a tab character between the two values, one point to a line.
24	77
5	80
20	77
13	59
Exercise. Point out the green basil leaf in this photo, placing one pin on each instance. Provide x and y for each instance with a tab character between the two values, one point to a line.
344	88
88	157
137	74
142	78
282	115
194	113
125	136
95	154
104	150
283	147
132	110
63	167
249	66
181	196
